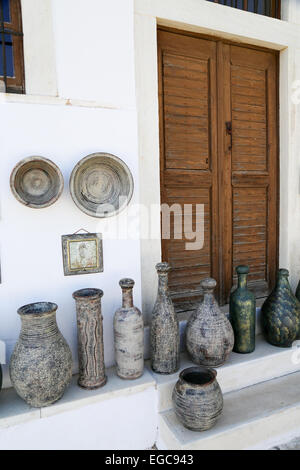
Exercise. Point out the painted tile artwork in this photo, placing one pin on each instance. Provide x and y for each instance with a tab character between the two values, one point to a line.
82	253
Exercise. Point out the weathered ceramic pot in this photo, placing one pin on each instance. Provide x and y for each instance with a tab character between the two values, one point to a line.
164	331
90	338
280	313
242	314
209	334
197	398
298	292
129	335
41	363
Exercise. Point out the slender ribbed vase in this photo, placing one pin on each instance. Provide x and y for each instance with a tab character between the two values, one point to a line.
280	313
90	338
209	334
41	363
242	314
129	335
197	398
164	331
298	292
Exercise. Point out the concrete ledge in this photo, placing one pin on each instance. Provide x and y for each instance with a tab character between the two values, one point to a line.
241	370
251	417
14	411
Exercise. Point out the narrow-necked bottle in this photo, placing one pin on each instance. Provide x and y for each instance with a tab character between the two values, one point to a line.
280	313
164	332
209	334
243	314
129	335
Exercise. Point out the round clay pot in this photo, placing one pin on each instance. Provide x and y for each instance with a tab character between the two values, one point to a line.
197	398
36	182
41	364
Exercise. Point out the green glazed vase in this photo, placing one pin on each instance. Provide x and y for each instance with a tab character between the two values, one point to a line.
280	313
298	292
242	314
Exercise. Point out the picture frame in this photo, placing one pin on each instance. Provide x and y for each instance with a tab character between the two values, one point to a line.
82	253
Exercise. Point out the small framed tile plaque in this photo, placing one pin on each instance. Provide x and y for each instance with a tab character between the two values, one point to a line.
82	253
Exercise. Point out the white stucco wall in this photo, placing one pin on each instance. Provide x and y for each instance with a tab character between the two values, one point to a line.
100	69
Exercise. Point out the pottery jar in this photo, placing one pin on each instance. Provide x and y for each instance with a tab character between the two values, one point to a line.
197	398
209	334
128	335
242	314
164	330
90	338
41	363
280	313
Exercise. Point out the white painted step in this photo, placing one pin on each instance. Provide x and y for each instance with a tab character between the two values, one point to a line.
241	370
256	417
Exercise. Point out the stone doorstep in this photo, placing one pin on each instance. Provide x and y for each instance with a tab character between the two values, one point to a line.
266	363
241	370
257	417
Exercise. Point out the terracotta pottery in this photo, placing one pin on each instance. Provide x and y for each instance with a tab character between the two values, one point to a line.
197	398
41	363
129	335
36	182
164	331
298	292
90	338
209	334
280	313
242	314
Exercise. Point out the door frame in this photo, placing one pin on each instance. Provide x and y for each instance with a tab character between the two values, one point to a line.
202	17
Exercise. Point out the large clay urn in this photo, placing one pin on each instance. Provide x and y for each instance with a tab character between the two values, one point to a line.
128	335
280	313
209	334
197	398
41	363
164	331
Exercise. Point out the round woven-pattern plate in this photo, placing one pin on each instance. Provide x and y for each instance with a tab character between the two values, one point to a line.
36	182
101	185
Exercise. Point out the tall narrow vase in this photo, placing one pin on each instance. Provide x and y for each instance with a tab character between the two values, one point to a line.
209	335
41	363
90	338
243	314
164	332
129	335
280	313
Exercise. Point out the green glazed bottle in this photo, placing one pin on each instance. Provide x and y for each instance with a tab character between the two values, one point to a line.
280	313
242	314
298	292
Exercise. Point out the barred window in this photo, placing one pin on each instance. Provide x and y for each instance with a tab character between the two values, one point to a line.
262	7
11	47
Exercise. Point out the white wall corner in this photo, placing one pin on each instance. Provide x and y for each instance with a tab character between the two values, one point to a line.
290	11
39	53
148	136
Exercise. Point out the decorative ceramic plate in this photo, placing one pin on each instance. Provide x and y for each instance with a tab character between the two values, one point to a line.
36	182
101	185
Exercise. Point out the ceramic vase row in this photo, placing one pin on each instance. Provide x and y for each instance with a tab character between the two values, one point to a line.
41	364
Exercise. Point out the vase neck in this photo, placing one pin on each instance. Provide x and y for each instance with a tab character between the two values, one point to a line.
163	284
127	299
38	328
242	281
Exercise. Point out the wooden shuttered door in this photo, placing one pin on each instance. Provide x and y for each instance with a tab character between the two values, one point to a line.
218	146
